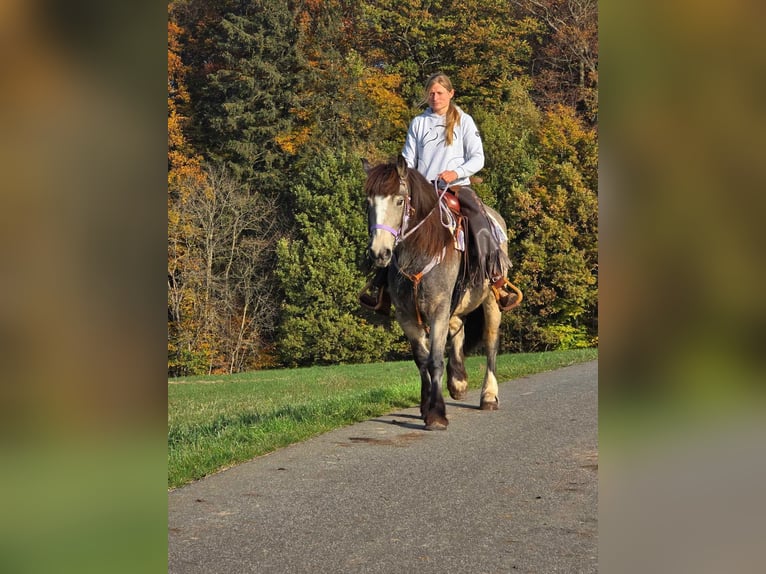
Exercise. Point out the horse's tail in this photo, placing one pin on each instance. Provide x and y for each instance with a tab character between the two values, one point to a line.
474	330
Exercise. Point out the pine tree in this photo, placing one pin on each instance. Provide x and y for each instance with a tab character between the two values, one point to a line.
320	270
247	88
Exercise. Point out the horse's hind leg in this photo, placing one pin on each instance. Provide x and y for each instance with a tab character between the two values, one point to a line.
489	399
457	378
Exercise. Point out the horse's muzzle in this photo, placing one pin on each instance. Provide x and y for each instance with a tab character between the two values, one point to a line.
382	257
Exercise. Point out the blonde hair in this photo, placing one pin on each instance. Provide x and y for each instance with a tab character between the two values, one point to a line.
453	116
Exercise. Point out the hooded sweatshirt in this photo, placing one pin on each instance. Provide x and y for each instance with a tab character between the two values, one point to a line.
426	149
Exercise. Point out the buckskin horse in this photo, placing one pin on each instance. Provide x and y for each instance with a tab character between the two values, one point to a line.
410	233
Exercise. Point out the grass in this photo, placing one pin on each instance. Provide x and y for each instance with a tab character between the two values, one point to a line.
217	421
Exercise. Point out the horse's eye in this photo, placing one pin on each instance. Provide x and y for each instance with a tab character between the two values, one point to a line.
399	201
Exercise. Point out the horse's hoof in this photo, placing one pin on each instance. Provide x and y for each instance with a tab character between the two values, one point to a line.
461	396
489	405
436	423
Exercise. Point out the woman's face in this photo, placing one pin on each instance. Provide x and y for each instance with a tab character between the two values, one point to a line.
439	98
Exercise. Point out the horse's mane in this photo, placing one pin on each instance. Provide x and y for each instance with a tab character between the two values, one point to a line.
431	237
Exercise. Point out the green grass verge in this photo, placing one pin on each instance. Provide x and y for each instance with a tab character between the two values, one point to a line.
220	420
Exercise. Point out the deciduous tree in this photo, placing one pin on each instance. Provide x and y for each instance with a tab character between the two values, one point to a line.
566	62
555	229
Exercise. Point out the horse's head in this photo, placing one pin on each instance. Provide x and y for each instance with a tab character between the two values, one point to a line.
388	208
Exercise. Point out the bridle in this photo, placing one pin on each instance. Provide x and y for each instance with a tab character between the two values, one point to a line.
403	232
399	234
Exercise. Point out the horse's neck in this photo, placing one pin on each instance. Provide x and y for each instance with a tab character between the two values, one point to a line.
411	260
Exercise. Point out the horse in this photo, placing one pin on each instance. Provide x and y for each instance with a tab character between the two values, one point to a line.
433	302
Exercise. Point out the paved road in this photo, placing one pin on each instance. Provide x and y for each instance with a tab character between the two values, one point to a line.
498	492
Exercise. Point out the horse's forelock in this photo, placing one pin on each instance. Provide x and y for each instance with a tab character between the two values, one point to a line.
382	180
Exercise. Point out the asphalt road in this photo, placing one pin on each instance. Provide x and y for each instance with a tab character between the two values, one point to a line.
509	491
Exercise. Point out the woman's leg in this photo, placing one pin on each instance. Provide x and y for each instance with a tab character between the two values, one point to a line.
490	259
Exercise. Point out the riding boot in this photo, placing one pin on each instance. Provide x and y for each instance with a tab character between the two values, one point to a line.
375	296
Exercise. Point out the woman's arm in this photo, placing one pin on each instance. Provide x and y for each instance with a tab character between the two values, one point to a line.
473	150
410	150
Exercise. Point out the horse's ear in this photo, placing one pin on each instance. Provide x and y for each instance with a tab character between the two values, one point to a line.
401	166
366	165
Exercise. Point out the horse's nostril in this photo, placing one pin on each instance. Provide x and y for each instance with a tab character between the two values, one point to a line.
380	257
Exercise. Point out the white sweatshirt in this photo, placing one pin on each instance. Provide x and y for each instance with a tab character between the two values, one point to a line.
425	148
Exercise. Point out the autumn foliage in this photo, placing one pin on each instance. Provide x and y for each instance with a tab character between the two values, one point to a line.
271	106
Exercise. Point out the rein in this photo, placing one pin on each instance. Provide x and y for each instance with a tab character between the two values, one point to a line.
403	233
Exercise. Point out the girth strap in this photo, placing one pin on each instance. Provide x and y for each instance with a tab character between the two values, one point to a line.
417	277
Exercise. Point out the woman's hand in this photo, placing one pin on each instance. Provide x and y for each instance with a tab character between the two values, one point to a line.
448	176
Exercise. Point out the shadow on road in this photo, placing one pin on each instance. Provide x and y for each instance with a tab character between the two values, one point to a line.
399	423
462	406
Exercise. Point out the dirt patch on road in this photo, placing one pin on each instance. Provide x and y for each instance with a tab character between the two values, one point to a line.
398	440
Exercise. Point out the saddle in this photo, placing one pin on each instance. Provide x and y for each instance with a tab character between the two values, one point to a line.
451	199
458	227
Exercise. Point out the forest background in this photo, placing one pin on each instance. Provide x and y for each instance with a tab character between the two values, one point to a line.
271	106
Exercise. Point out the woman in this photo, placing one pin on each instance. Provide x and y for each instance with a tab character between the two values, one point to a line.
444	145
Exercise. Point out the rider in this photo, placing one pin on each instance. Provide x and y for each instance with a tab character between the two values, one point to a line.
444	145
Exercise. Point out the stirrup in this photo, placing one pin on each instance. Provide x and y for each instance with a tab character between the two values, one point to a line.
368	301
380	304
501	294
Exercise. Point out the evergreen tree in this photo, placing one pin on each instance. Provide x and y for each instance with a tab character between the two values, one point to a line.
320	270
541	174
247	88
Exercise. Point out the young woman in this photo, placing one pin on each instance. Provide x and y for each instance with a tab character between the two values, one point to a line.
443	144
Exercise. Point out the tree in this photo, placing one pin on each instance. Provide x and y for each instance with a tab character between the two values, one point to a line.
566	63
245	87
555	230
344	103
188	349
488	52
509	132
410	39
320	269
224	309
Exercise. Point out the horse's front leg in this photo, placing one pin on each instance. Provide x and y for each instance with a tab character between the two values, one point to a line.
420	354
436	414
419	347
489	399
457	378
